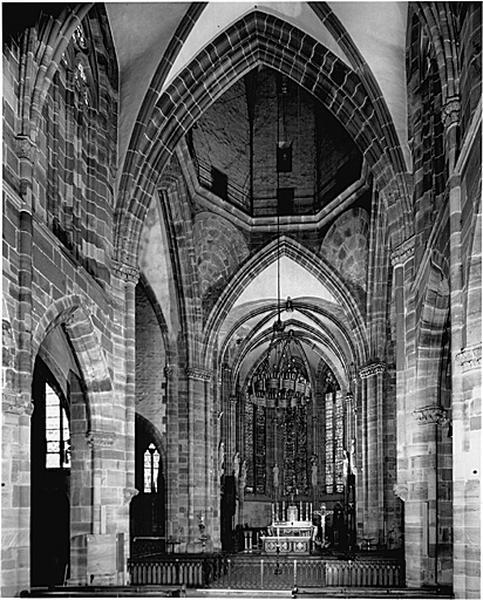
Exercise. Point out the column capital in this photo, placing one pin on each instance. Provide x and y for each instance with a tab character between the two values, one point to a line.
401	490
128	273
370	369
25	147
349	397
199	373
129	494
403	252
469	358
432	414
15	405
451	111
169	371
100	439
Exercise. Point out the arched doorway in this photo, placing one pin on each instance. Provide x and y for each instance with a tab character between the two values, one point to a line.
148	507
50	480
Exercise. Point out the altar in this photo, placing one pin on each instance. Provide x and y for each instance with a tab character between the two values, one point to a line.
291	531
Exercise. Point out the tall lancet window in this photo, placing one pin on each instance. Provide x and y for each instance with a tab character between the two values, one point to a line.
334	439
151	469
57	434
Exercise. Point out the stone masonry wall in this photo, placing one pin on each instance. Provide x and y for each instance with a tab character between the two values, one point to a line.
150	363
50	281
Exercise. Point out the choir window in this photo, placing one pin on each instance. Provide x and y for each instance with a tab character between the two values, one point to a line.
57	432
151	469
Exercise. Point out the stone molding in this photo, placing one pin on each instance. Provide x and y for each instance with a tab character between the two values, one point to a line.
129	494
401	490
199	374
25	147
451	111
403	252
169	371
432	414
13	404
371	369
126	272
469	358
100	439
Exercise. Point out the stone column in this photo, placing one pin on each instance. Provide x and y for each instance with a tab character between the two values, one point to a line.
202	509
122	486
421	501
15	493
466	382
174	520
467	474
402	261
373	472
16	396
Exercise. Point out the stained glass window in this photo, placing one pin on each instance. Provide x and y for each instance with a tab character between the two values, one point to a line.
329	442
151	469
57	434
334	441
339	441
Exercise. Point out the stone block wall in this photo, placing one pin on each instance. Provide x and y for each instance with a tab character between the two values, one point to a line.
221	138
150	364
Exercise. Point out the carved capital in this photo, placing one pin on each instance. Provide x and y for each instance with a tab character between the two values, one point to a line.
371	369
25	147
469	358
15	405
129	494
128	273
402	253
100	439
349	397
451	111
431	415
169	371
199	374
401	490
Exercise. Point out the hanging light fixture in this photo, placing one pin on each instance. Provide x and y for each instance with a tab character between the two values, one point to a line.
281	376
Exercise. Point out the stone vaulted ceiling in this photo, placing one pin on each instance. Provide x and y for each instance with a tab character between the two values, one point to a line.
147	34
154	43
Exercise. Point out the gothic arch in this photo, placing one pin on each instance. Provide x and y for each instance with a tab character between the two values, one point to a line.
438	22
432	322
148	290
314	265
255	39
69	312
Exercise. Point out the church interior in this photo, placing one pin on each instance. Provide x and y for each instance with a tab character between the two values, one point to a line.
241	303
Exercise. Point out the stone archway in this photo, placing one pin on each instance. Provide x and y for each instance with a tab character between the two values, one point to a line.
87	390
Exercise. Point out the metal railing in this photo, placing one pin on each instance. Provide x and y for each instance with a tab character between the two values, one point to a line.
263	572
170	570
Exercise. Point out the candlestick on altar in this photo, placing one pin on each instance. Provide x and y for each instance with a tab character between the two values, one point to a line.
300	510
273	512
283	510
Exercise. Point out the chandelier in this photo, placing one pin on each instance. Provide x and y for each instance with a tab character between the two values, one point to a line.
281	378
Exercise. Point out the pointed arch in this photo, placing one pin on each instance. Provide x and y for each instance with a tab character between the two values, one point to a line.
69	312
255	39
307	260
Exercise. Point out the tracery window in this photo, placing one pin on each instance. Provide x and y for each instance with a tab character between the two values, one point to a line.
57	433
277	416
334	439
151	469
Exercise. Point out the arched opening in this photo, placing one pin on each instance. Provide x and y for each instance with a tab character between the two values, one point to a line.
50	479
148	507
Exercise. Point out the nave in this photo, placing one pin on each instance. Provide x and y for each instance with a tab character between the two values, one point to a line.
241	306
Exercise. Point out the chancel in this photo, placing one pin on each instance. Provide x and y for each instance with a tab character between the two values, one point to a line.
241	304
